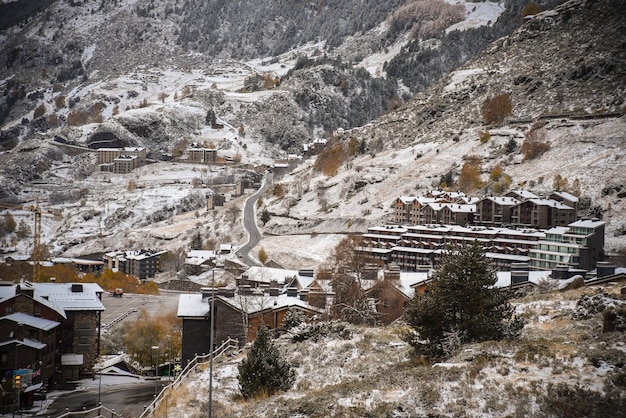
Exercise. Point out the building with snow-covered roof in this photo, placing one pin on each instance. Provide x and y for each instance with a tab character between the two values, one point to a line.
495	210
521	194
238	315
421	245
142	264
542	213
565	198
75	307
28	342
134	157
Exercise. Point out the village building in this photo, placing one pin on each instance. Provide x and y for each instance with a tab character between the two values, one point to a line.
542	213
202	155
120	160
238	315
76	310
198	261
393	291
495	210
142	264
565	198
28	345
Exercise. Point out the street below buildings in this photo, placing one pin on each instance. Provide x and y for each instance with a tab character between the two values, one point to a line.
128	396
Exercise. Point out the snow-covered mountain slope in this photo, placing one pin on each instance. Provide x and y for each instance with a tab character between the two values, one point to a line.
565	81
558	63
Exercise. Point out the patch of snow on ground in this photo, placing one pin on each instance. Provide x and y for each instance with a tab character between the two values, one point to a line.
458	77
478	14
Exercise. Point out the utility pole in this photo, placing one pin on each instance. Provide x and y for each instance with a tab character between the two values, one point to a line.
211	344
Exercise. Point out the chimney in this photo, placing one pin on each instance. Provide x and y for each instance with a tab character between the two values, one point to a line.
605	268
274	291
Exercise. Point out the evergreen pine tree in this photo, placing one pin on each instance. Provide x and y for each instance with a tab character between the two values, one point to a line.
265	216
461	305
196	241
264	371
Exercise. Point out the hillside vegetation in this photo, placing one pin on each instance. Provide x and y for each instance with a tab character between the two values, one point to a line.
563	364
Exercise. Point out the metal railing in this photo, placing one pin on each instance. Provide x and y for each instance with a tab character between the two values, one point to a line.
92	413
191	366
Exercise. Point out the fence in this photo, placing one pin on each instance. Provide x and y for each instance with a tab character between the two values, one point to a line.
92	413
150	409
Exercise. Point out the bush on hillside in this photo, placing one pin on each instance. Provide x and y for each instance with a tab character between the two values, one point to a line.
264	372
496	109
533	145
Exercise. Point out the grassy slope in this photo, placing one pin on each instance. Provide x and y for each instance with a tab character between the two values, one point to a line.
558	363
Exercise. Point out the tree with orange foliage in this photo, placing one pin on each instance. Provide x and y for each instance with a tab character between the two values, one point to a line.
469	179
148	331
496	108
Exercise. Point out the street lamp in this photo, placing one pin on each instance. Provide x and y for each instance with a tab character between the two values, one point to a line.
156	369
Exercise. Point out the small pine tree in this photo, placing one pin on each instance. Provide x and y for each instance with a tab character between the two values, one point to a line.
10	223
510	146
210	119
265	216
264	371
461	305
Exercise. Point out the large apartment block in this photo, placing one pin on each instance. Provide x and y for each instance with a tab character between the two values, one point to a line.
142	264
202	155
519	227
518	208
120	160
418	247
579	245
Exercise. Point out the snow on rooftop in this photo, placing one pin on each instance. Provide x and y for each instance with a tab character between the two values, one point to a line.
31	321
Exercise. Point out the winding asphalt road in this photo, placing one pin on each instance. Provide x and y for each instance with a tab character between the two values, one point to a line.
249	223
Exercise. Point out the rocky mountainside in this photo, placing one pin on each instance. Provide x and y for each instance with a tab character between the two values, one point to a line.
564	72
77	75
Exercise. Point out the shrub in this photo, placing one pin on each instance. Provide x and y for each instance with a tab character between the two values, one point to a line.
78	118
59	102
469	179
484	137
533	146
278	191
264	371
263	257
496	172
39	111
330	159
531	9
510	146
495	109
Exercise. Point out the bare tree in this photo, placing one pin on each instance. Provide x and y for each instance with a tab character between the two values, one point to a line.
350	266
